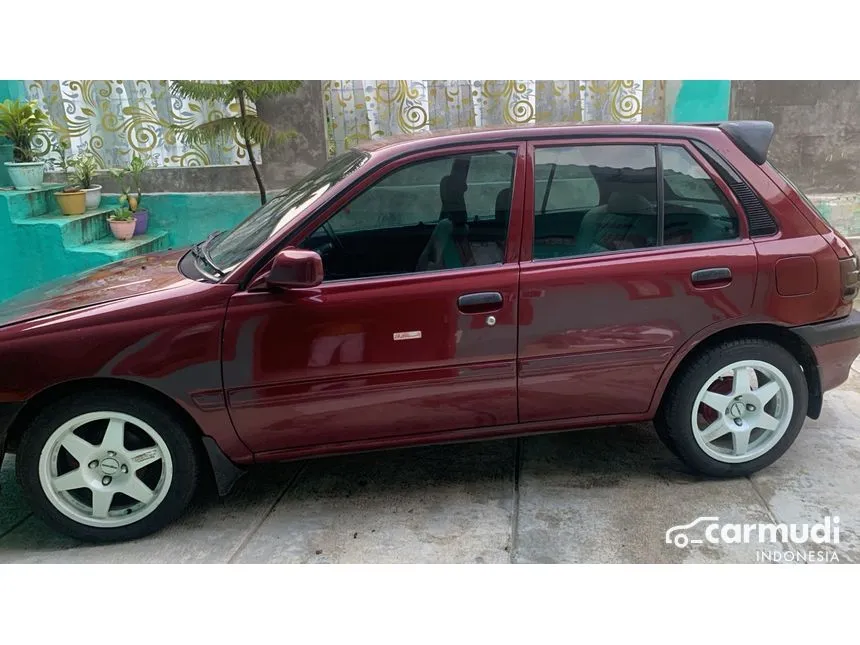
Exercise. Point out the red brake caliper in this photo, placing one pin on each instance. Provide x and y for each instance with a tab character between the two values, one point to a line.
706	413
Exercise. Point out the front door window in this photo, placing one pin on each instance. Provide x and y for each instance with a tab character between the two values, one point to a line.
444	213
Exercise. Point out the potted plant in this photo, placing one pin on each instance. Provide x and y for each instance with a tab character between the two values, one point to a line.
131	191
122	222
72	200
83	169
21	122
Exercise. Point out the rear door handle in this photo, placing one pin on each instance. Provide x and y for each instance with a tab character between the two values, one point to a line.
711	276
480	303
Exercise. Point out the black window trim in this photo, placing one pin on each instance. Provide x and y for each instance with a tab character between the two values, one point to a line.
747	196
661	200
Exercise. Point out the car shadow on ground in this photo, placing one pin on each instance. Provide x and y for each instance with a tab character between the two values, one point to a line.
397	487
598	457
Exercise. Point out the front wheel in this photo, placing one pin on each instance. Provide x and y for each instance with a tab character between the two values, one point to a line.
107	466
735	409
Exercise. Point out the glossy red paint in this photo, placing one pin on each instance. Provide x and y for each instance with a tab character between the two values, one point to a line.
166	339
345	375
293	269
287	373
796	276
610	323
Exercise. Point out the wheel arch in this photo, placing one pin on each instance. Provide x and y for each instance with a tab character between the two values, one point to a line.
220	472
782	336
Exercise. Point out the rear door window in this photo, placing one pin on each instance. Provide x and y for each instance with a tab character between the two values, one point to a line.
594	199
695	209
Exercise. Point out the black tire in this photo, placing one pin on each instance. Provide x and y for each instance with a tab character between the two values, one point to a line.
666	438
673	418
183	451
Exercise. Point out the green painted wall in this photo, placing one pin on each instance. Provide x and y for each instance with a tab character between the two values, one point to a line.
34	254
31	255
8	90
190	217
6	151
12	90
689	101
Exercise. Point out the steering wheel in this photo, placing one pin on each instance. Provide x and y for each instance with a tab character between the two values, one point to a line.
333	236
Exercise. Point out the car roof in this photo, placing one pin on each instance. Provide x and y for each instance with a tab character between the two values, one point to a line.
753	137
529	131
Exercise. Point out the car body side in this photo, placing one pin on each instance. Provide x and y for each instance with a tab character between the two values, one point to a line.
170	343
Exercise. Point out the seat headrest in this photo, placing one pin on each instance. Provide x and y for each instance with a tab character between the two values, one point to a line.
629	203
503	205
451	189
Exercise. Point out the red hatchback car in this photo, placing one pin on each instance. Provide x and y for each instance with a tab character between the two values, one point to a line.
433	289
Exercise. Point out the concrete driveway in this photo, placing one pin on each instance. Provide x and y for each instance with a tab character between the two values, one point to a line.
605	495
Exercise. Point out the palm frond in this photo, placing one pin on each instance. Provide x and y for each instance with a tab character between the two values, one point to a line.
282	136
209	132
205	91
257	131
263	89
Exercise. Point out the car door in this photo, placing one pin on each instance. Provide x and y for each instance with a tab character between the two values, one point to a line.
630	247
413	330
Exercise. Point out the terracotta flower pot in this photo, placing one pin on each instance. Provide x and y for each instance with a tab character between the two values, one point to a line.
122	229
74	203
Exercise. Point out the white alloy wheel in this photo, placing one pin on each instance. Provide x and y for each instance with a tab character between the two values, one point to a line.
105	469
742	411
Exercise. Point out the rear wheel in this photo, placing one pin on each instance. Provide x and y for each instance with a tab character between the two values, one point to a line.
107	466
735	409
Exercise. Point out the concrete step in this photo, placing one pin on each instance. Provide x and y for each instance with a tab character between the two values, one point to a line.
113	249
75	229
30	203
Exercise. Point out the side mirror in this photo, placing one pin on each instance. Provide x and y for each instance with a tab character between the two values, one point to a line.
295	269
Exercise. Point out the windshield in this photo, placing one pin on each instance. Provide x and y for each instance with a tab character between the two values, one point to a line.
232	247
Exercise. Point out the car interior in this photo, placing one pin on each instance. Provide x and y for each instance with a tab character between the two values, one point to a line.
625	216
455	236
391	229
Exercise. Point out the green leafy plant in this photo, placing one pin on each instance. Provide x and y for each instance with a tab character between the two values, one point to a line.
130	180
21	122
121	215
63	146
136	168
83	169
246	126
122	180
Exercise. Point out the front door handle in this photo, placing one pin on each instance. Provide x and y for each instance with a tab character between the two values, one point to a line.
711	276
480	303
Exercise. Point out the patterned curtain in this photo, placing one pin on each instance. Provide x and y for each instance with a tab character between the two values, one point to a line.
114	120
358	110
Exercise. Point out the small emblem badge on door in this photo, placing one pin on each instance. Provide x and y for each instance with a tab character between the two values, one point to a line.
407	335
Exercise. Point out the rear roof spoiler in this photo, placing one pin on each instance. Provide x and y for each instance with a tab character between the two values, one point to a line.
752	137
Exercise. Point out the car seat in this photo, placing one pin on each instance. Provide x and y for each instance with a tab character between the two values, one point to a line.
448	246
627	221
